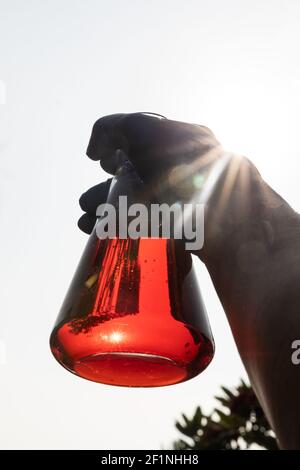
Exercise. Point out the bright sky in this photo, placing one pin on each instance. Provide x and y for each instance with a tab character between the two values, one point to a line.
233	66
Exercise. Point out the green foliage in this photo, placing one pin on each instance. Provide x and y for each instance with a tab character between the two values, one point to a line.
239	424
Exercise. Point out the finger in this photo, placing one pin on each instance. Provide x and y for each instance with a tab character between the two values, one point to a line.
90	200
86	223
133	133
109	135
105	140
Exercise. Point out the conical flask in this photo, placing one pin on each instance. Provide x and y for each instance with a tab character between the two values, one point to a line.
133	315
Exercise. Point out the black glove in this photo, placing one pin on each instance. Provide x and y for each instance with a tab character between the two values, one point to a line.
155	146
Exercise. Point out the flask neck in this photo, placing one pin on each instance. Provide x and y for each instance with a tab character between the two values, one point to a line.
126	181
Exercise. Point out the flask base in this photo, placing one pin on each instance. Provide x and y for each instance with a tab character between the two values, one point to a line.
130	369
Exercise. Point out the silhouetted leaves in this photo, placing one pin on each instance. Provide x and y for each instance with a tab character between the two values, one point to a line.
239	424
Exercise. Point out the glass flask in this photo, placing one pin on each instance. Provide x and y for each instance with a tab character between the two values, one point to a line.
133	315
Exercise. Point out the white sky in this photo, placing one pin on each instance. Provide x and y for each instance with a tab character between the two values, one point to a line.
234	66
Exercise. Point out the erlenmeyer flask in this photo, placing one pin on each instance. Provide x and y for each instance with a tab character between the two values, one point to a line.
133	315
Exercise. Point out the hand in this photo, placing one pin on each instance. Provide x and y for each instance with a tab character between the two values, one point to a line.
165	153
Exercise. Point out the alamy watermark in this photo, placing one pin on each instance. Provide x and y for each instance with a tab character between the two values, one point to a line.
295	357
179	221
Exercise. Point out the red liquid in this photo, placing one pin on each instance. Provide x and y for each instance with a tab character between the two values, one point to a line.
132	316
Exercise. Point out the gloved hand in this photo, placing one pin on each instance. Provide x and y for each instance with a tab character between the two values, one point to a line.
168	155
